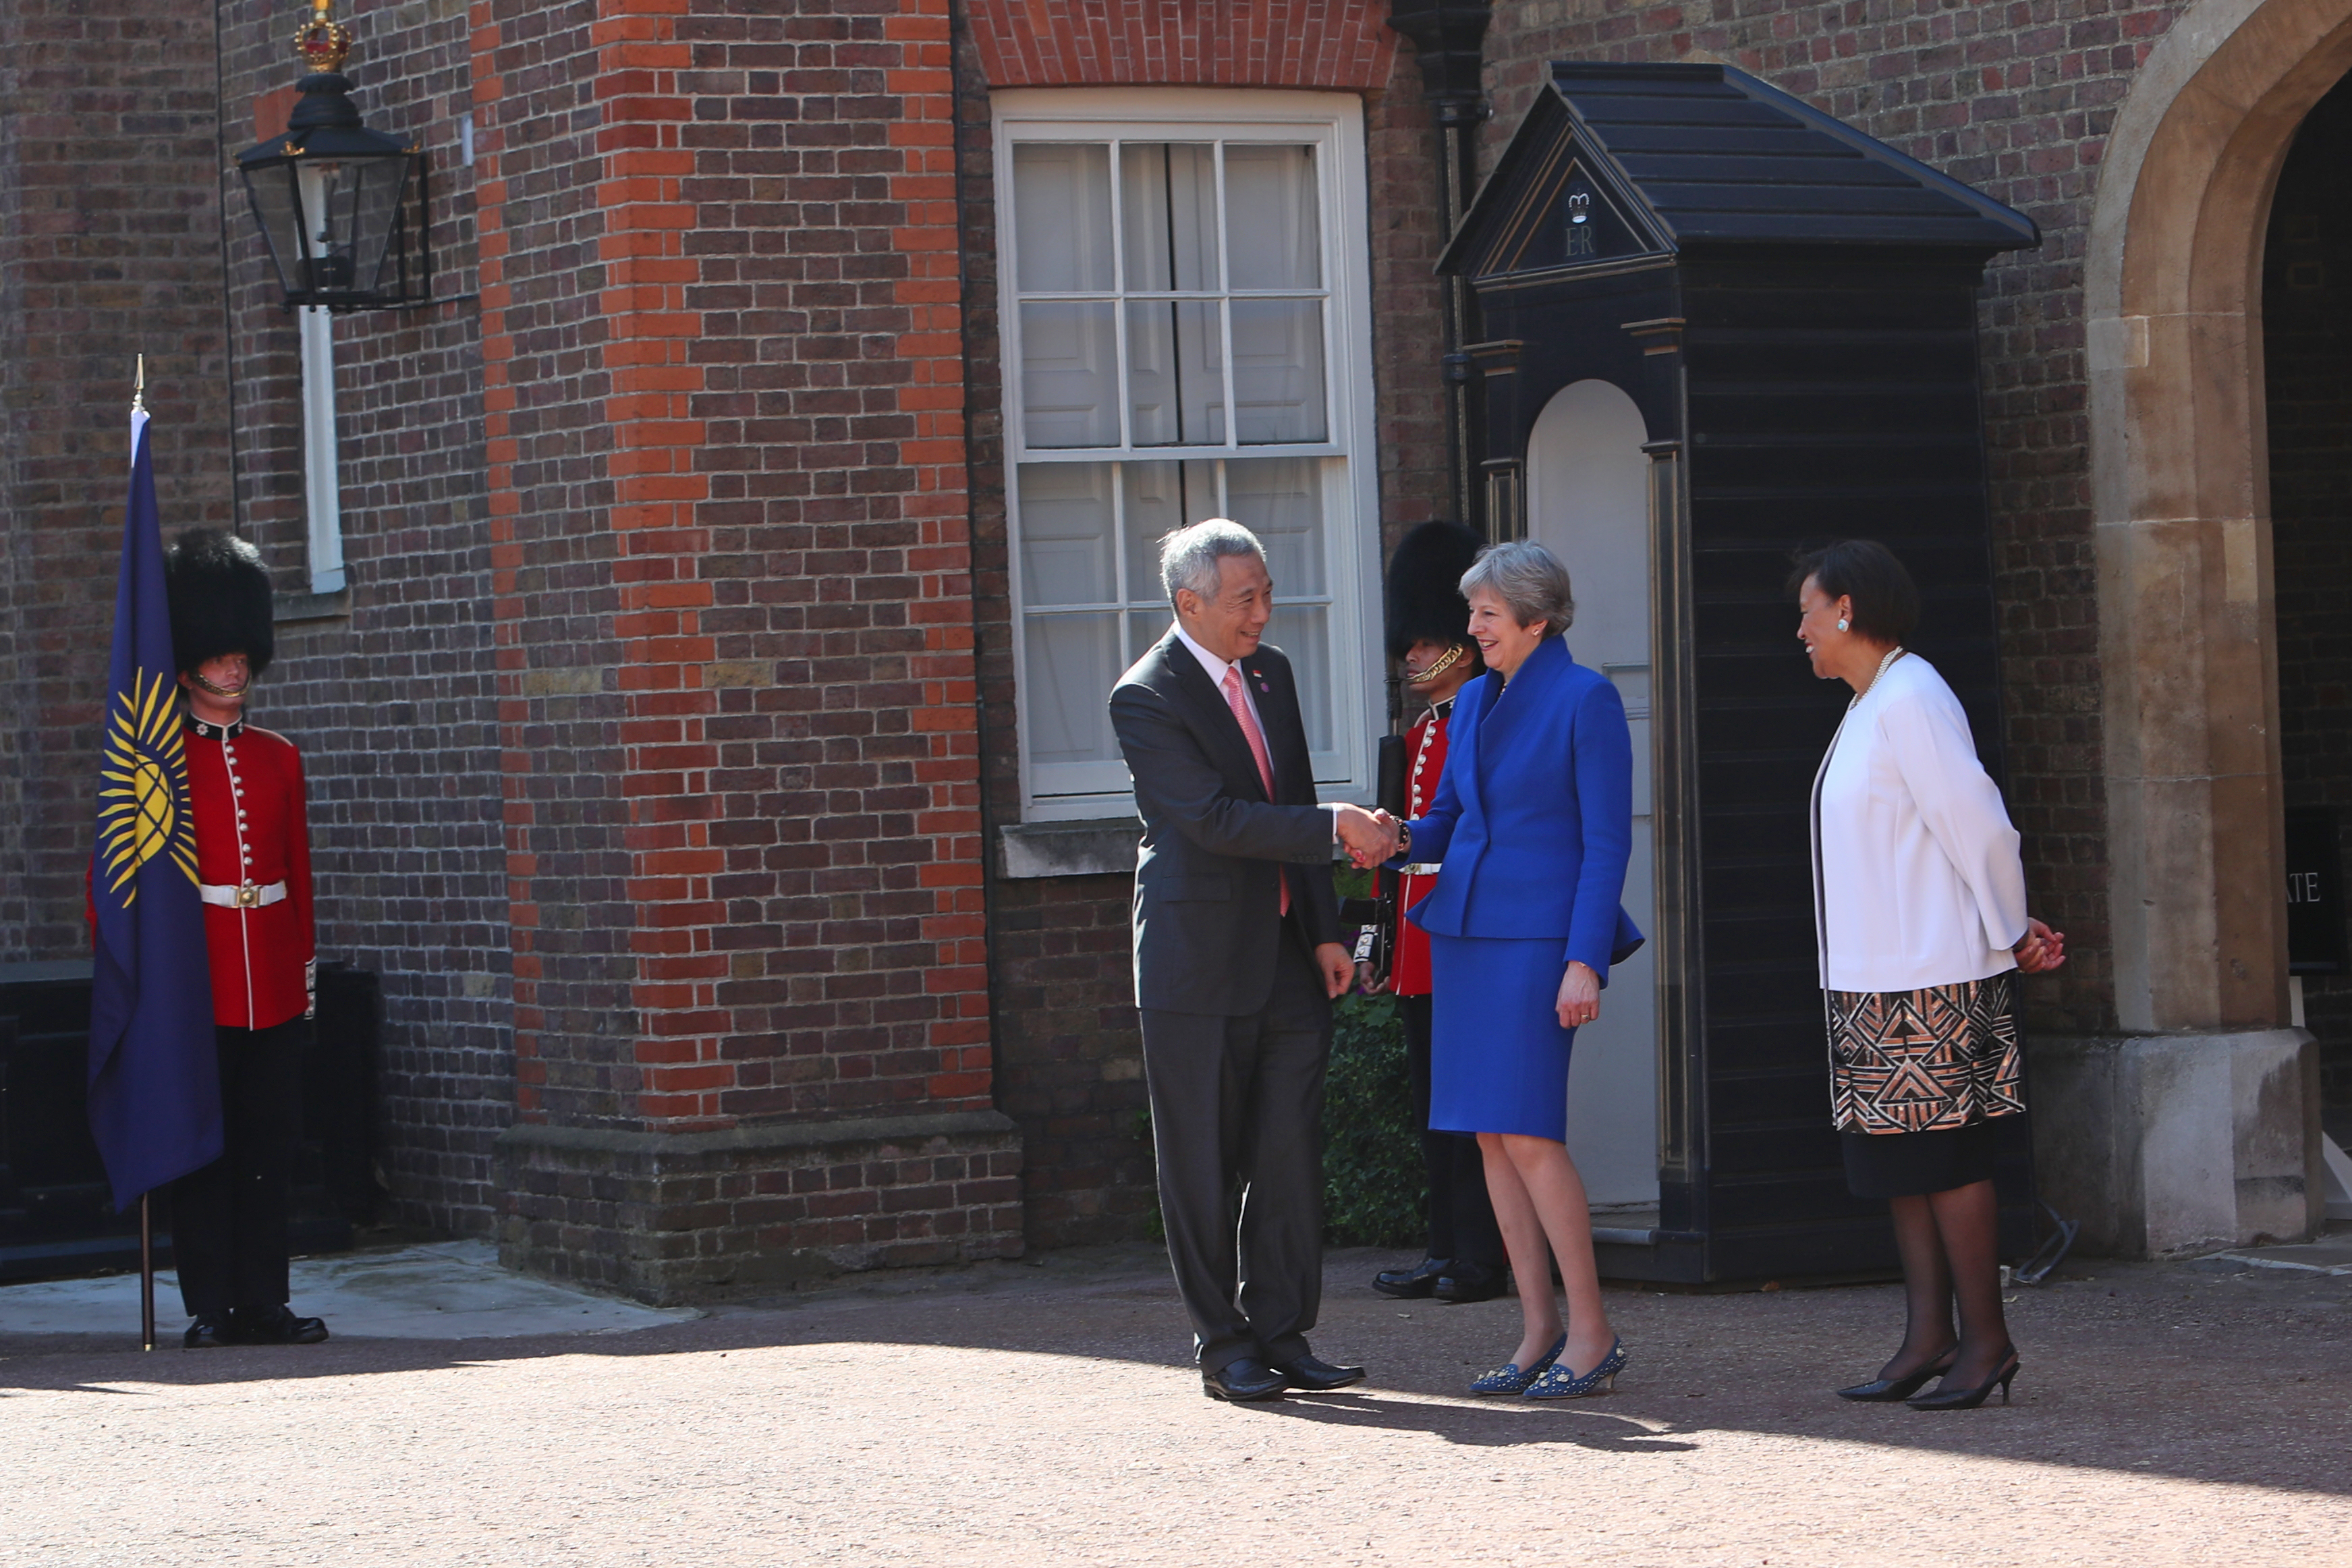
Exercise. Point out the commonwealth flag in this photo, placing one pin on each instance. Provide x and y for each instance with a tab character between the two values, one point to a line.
154	1088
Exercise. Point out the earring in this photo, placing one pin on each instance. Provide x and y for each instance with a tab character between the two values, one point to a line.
1841	625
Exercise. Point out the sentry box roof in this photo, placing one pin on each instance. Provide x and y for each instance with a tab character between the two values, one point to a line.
1618	163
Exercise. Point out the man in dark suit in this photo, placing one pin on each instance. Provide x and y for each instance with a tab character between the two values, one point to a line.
1237	956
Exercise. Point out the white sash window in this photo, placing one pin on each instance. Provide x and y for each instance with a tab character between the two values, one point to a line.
1186	327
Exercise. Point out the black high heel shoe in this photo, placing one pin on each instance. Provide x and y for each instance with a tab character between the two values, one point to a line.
1887	1390
1969	1398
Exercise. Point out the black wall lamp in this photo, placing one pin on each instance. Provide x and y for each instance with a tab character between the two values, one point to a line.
332	195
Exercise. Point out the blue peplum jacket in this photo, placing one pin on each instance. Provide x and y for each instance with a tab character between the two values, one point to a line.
1533	821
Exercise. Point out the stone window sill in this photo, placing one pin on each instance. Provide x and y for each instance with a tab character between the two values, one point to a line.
1100	848
293	607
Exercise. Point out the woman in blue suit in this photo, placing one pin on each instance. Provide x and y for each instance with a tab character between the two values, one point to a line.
1533	823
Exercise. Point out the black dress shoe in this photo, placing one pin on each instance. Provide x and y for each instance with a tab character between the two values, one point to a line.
1318	1376
210	1332
1244	1381
1472	1283
277	1325
1414	1283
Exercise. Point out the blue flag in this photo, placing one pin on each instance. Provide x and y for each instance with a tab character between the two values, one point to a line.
154	1086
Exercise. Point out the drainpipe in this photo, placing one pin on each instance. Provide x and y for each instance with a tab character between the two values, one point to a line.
1448	37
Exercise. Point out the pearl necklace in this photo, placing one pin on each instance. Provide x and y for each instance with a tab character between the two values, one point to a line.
1892	655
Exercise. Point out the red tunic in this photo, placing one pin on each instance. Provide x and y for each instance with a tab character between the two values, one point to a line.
1425	744
245	789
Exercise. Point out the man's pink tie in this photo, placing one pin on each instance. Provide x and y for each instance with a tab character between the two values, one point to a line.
1256	738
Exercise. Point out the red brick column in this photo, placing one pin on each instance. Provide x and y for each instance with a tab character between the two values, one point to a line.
723	363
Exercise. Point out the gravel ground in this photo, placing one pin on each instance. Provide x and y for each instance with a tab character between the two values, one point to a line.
1045	1413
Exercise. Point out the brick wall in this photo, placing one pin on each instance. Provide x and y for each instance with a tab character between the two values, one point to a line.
388	688
2307	363
1165	42
2017	101
109	247
1069	1067
731	576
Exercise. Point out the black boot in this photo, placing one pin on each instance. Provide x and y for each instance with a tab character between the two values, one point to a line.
277	1325
1472	1283
1413	1284
211	1331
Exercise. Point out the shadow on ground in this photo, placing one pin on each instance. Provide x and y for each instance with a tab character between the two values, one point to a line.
2140	1368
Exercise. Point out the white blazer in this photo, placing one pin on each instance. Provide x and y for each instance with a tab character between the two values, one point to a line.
1916	878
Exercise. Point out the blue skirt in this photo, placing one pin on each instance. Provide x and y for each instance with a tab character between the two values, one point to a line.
1498	1055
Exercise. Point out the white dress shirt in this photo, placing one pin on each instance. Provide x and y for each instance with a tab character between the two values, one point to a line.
1216	669
1916	878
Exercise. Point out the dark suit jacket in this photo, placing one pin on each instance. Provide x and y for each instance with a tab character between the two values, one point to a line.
1207	902
1534	814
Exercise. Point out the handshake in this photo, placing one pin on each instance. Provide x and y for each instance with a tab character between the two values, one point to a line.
1371	836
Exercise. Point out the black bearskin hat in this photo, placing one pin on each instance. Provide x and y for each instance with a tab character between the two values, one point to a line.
220	599
1425	599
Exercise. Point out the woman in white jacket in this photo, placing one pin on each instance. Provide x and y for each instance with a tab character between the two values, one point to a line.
1919	907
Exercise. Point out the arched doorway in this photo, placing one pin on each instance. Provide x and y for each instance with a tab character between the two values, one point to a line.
2307	401
2197	1125
1588	501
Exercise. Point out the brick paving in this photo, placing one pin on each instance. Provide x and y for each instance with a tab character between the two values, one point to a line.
1043	1412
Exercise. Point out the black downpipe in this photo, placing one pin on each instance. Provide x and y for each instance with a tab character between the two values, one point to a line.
1448	39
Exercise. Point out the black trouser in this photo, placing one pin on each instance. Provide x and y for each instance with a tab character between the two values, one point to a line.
228	1220
1236	1112
1461	1219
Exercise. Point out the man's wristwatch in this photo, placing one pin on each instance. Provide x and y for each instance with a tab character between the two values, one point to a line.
1405	840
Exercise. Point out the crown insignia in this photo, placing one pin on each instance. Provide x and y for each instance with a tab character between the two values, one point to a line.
324	43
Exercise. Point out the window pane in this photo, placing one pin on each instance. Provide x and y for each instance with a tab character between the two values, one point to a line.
1272	215
1069	357
1143	630
1303	632
1160	499
1066	535
1280	500
1073	661
1176	378
1167	206
1278	371
1061	216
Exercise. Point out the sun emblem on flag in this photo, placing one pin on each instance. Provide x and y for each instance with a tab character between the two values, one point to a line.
143	786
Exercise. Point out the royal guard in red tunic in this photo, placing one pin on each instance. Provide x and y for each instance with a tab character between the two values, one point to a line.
1429	634
229	1223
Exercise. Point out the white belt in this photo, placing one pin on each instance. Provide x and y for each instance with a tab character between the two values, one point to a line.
1422	868
244	896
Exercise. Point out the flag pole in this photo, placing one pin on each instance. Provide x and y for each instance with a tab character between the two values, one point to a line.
146	1214
146	1276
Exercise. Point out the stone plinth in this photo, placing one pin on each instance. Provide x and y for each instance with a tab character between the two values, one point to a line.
2167	1144
672	1217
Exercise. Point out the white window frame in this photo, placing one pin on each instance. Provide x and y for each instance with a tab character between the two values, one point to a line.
1334	122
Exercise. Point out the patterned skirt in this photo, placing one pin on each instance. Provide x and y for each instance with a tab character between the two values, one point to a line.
1936	1059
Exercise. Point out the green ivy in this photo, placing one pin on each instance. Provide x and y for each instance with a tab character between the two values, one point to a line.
1375	1191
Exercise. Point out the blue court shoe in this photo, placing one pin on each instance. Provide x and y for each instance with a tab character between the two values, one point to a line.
1562	1382
1511	1379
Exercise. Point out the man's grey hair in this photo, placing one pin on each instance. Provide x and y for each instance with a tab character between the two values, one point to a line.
1529	579
1189	557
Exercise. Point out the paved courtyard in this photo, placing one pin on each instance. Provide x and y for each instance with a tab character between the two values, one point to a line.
1044	1413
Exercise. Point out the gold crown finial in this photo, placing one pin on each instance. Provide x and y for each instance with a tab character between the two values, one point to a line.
324	43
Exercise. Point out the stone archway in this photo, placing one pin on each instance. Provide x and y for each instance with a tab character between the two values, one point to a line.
2206	1110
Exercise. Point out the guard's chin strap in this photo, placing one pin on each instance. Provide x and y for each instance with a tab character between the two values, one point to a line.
216	691
1452	657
